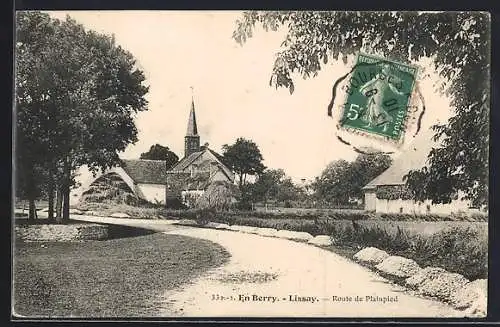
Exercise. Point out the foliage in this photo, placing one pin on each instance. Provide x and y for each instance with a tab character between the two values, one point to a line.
457	249
394	192
457	42
76	93
244	158
219	195
342	180
159	152
274	184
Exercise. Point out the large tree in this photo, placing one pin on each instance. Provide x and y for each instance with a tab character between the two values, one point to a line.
342	180
244	158
457	42
160	152
333	185
274	184
76	93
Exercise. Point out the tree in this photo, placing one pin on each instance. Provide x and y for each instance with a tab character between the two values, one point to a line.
218	195
159	152
76	91
267	185
274	184
364	169
333	184
244	158
457	42
342	180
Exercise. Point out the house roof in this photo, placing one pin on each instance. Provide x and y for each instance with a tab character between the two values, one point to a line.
146	171
186	161
414	157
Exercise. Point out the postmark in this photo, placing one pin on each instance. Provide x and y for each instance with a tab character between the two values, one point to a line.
378	96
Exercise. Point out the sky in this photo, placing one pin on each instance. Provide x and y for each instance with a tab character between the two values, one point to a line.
179	50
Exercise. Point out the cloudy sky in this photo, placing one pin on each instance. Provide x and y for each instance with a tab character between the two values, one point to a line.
177	50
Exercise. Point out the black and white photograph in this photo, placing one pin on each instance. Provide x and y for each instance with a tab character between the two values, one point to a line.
255	164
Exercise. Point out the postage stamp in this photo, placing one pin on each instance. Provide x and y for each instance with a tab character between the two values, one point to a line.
378	96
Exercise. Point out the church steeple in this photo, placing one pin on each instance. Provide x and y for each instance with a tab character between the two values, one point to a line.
192	129
192	139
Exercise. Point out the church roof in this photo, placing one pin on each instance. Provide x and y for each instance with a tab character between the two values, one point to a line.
192	129
413	158
146	171
187	161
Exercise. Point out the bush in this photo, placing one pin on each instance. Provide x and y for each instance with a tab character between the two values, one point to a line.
462	250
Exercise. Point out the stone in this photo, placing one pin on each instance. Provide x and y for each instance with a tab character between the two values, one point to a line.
119	215
247	229
186	222
222	226
473	294
371	256
397	266
321	240
436	282
211	225
292	235
270	232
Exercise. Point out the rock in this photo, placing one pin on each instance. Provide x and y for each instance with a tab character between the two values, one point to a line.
427	273
186	222
119	215
222	226
321	240
398	267
436	282
478	308
211	225
271	232
472	294
371	256
292	235
75	212
247	229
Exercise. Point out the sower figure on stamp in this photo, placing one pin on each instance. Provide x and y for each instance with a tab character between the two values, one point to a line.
374	89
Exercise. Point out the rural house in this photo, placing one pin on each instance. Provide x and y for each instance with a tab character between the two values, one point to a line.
150	180
379	193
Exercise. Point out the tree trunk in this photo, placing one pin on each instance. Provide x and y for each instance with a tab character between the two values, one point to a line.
65	216
32	209
51	197
66	190
241	180
59	202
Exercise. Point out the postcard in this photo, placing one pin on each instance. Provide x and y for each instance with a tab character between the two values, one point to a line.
258	164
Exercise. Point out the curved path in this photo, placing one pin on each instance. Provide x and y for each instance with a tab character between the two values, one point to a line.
271	277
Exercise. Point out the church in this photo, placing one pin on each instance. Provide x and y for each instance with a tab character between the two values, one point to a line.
150	180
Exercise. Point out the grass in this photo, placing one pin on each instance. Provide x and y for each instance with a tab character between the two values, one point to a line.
122	277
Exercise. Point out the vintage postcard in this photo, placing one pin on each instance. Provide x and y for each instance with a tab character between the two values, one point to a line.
327	164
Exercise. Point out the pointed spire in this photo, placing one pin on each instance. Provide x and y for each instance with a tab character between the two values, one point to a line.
192	129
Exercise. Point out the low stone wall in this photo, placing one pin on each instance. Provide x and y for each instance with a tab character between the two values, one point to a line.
61	233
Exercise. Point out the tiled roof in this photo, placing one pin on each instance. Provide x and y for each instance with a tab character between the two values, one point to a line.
415	157
186	161
146	171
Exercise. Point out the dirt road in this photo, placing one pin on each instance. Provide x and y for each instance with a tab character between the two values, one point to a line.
271	277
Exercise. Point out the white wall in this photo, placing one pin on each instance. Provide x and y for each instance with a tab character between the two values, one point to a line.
153	192
412	207
370	200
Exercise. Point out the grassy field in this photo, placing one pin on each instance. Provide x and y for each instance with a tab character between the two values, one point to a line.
122	277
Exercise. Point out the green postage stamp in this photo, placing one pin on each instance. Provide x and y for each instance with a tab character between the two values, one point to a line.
378	96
